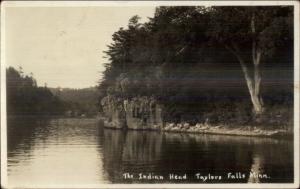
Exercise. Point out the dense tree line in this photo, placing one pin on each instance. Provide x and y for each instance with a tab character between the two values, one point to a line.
79	101
227	64
24	97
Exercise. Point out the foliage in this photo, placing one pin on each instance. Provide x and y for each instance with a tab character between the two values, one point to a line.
273	26
79	101
24	97
180	57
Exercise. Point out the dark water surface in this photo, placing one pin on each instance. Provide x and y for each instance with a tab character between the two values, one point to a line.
81	152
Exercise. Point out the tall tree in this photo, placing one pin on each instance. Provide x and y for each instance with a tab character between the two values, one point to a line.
251	34
178	58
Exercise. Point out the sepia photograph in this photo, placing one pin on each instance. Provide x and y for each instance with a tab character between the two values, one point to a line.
153	94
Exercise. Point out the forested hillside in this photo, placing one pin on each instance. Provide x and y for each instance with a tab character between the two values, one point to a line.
24	97
229	65
79	101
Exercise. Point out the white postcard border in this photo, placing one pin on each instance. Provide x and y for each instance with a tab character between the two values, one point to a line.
7	4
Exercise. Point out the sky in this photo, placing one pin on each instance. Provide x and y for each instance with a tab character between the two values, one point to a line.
63	46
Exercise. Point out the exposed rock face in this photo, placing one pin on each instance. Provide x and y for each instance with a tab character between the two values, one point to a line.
136	113
114	112
140	112
143	113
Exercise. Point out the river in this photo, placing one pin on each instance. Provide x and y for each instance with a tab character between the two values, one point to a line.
79	151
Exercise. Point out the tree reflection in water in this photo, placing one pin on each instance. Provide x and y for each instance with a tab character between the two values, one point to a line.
61	150
158	153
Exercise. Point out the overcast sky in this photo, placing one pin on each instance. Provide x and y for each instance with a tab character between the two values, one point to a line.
63	46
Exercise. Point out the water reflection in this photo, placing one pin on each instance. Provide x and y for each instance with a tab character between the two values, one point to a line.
81	152
132	151
59	152
236	159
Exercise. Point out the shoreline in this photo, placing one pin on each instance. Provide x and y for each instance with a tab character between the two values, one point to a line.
238	131
249	131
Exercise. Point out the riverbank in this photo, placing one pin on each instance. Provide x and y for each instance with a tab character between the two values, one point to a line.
228	130
214	129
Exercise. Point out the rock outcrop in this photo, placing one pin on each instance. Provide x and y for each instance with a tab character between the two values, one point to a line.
135	113
143	113
123	110
114	112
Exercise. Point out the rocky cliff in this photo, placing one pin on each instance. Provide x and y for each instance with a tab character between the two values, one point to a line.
123	109
143	113
114	112
135	113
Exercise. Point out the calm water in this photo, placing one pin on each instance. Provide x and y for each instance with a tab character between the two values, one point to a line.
80	152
